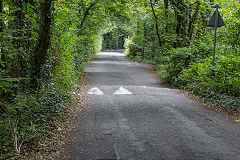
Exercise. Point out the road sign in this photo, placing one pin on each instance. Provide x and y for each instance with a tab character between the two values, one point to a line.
220	21
215	21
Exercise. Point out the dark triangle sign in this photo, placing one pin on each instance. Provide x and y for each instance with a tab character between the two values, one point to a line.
211	22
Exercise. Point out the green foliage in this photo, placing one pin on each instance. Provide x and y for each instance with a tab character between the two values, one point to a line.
114	39
29	116
132	49
198	76
226	79
233	32
172	64
223	88
6	85
184	56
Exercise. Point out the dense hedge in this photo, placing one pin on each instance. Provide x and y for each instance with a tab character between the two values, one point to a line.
224	78
221	82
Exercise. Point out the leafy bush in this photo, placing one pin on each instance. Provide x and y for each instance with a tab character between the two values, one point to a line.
7	85
114	39
29	116
191	68
224	79
170	66
226	101
132	49
232	32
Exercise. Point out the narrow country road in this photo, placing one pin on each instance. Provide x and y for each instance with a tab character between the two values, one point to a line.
132	116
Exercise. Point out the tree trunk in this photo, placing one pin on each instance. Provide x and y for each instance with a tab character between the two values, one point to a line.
86	13
20	66
196	21
156	24
190	22
153	40
166	7
179	10
145	39
146	35
185	27
1	9
43	41
1	30
205	20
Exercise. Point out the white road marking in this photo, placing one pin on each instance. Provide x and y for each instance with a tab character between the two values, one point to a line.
95	91
122	90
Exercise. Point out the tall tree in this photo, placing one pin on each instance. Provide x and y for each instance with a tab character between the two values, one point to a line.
43	40
19	23
156	23
195	21
1	9
86	13
179	9
166	7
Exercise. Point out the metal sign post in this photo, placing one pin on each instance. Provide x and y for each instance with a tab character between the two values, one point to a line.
215	21
215	36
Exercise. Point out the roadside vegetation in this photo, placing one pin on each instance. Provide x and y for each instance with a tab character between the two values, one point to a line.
174	36
44	45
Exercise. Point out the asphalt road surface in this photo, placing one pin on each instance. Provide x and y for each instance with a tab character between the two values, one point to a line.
132	116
